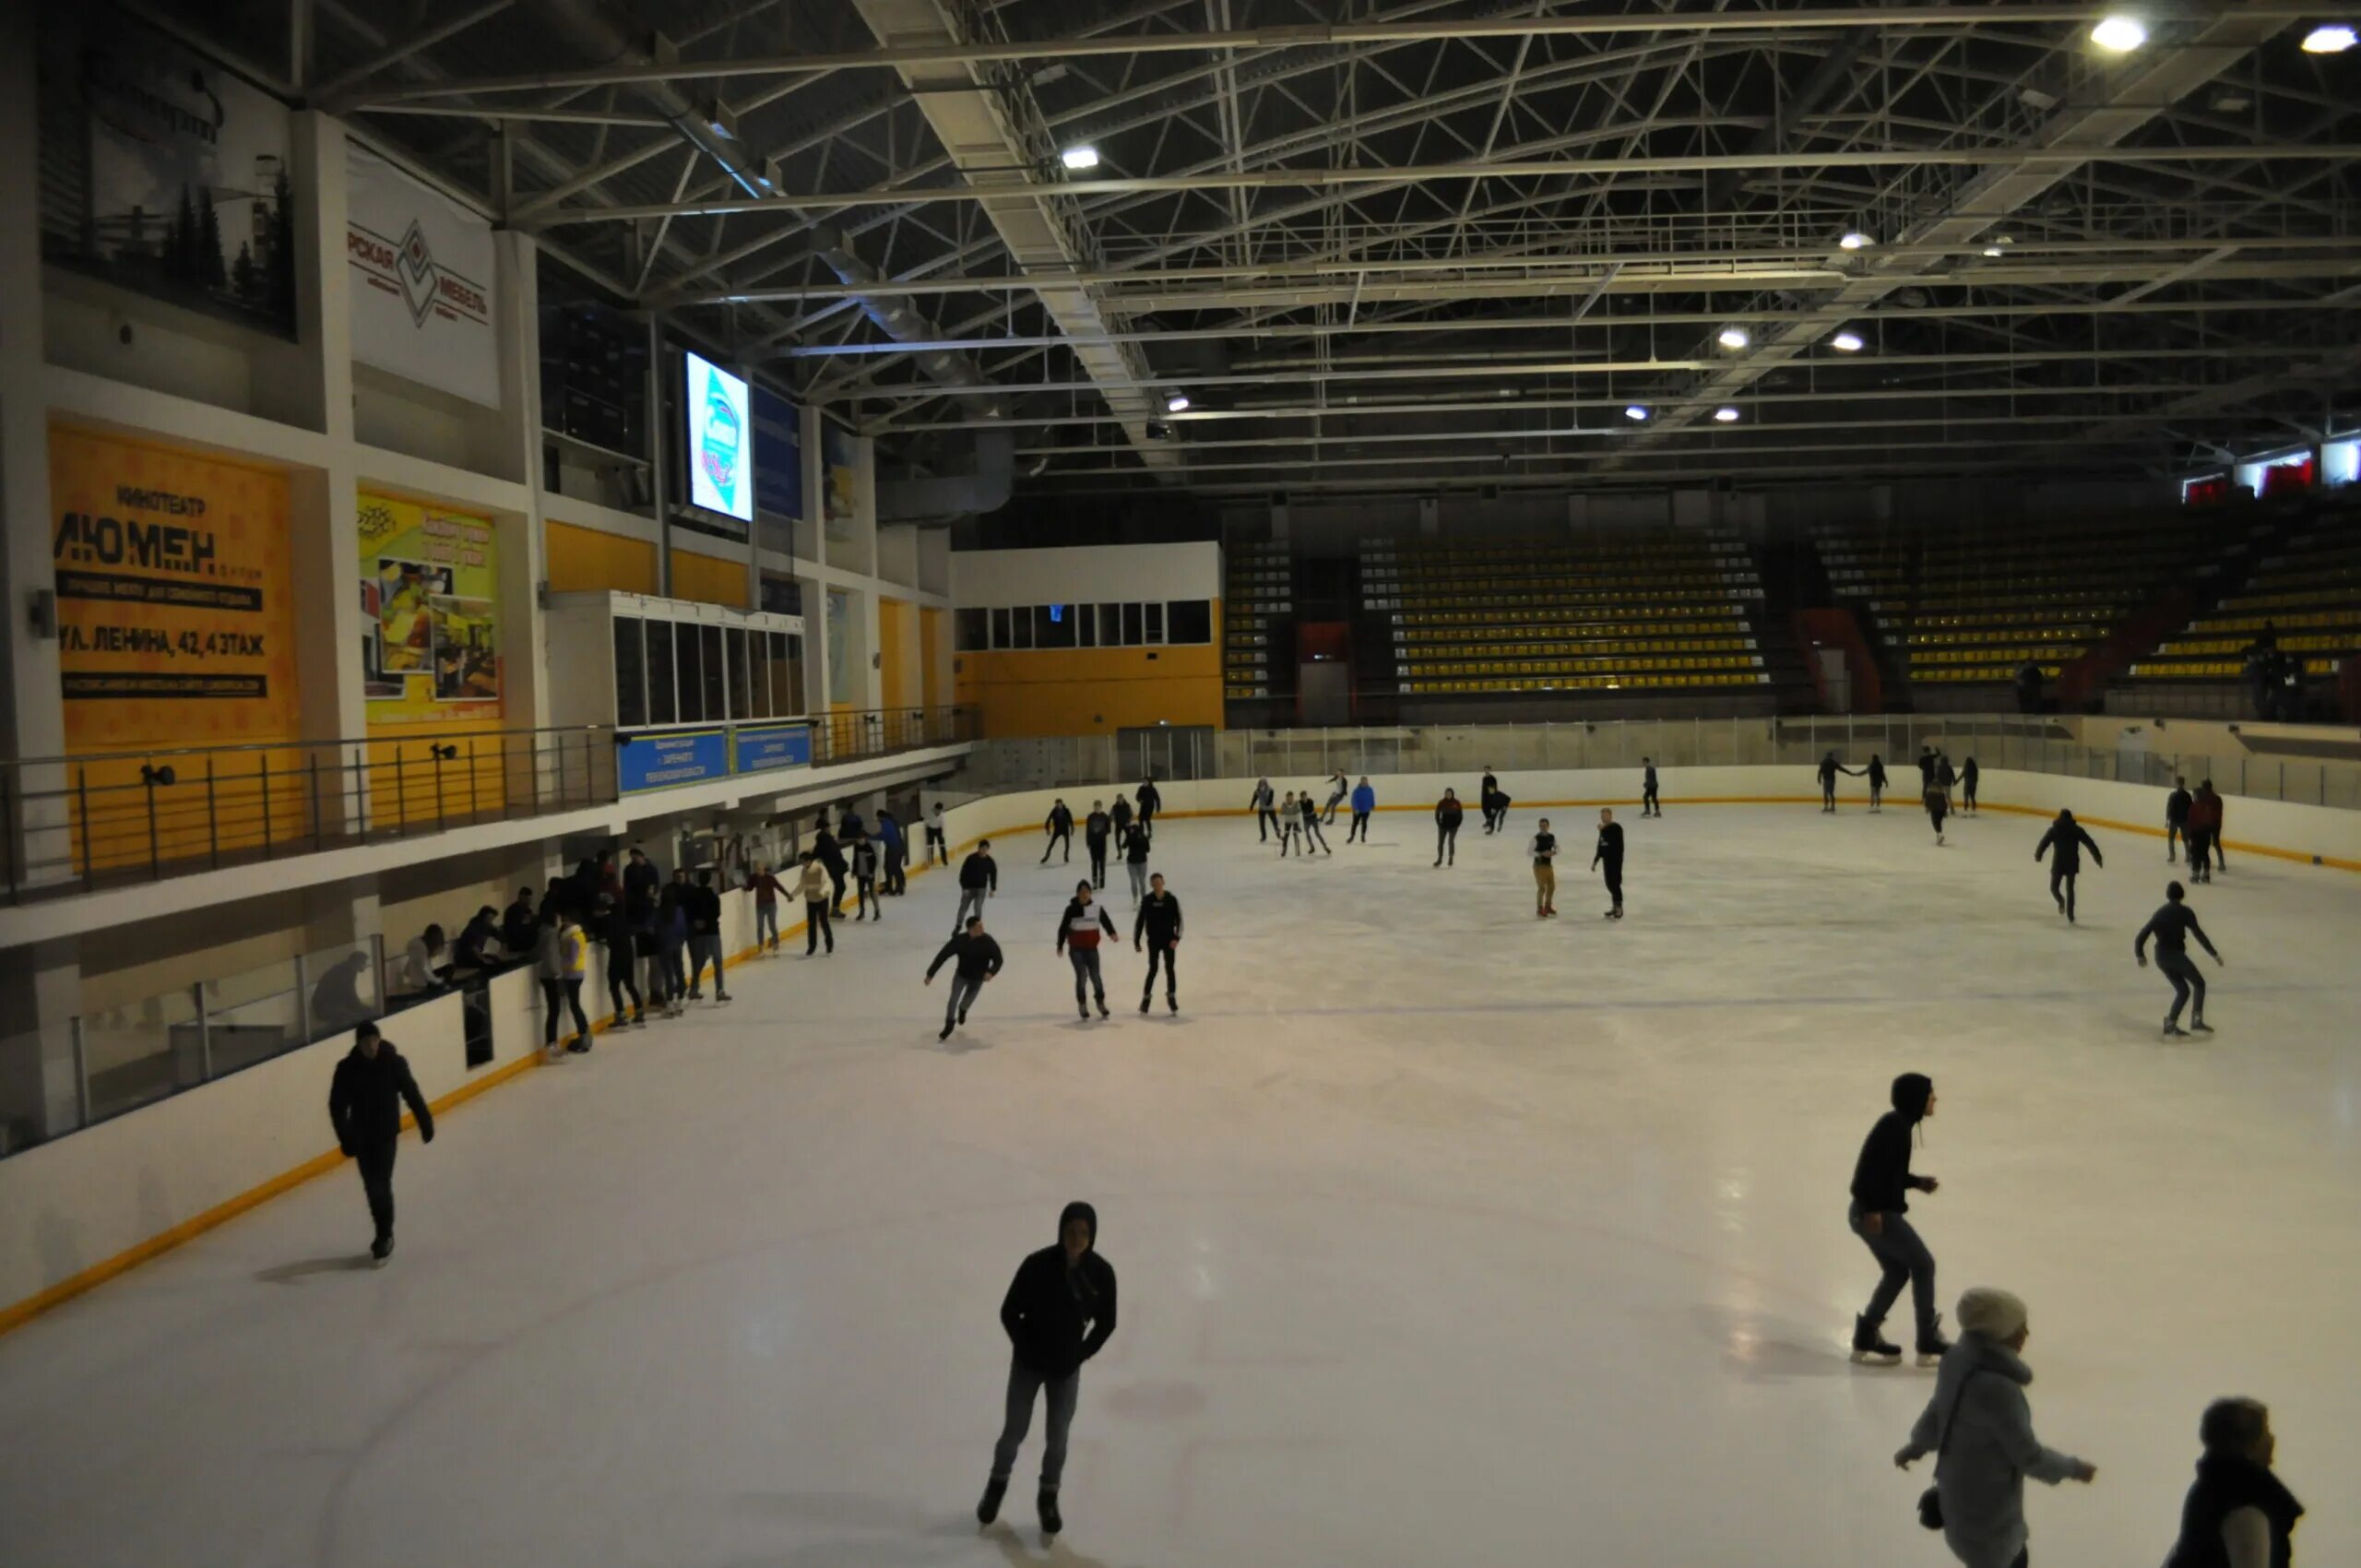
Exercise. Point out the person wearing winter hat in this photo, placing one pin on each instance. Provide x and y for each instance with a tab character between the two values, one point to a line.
1980	1429
2238	1515
1881	1179
1058	1313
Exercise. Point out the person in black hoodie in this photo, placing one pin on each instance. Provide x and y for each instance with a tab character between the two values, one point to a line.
1448	813
2176	806
1151	801
1968	776
365	1101
978	879
1829	768
977	959
867	904
1121	815
1610	854
2238	1515
2071	841
1875	772
1881	1178
615	933
1159	922
1312	825
1136	843
520	928
1060	829
1078	932
2172	926
1060	1312
830	854
704	905
1096	828
1485	793
472	951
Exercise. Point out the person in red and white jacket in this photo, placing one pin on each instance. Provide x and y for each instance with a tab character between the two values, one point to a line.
1078	932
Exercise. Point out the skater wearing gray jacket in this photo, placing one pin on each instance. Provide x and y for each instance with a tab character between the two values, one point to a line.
1979	1426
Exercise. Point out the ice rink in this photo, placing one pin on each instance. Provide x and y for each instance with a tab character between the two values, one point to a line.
1445	1235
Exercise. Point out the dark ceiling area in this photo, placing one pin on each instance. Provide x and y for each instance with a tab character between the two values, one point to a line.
1427	245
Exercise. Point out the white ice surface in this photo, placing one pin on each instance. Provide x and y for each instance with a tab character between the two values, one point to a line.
1444	1235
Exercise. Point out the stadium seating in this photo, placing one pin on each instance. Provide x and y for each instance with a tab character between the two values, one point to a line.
1607	611
1257	610
2308	590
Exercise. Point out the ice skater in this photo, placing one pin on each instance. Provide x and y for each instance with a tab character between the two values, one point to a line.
1265	818
1364	802
1881	1182
1968	774
1136	850
938	844
1121	815
2205	823
2238	1515
1925	767
1078	932
1938	802
824	844
2070	839
1312	825
2172	926
1151	801
1160	922
1490	787
811	882
1829	768
2176	806
1649	806
1338	787
1060	829
1610	855
365	1100
897	852
1060	1312
1876	775
1448	813
974	959
1096	829
705	937
1946	777
978	880
1544	871
1290	823
561	960
868	906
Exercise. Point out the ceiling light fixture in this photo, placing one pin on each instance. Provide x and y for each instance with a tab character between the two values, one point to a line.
1636	411
2119	34
1726	414
1080	157
1177	403
1734	338
2328	38
1847	342
1855	240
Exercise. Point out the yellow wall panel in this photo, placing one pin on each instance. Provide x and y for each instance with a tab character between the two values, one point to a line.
708	580
1091	691
583	560
893	667
930	656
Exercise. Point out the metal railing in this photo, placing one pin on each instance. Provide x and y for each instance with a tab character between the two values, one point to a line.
2032	745
81	823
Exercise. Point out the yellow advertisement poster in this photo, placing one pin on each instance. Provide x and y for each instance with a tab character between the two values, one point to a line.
175	624
429	592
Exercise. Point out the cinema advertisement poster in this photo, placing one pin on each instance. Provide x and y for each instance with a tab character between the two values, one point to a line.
176	623
429	615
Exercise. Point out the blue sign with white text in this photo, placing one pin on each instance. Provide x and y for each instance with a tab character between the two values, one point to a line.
671	758
768	746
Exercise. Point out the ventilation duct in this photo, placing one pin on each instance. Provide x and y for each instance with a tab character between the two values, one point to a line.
983	489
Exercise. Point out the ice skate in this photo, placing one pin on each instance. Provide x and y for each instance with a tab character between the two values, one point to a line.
1144	1003
2174	1031
2201	1026
988	1506
1102	1009
1172	1004
1869	1349
1084	1009
1046	1504
1931	1342
945	1034
381	1249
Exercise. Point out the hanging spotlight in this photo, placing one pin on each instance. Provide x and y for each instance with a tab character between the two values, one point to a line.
1178	402
1992	250
1734	338
1855	240
1726	414
1080	157
1846	342
1636	411
2119	34
2328	38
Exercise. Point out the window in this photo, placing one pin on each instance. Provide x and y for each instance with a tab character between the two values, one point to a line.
689	670
1189	621
1110	625
1020	620
661	706
786	675
1053	625
999	629
1133	633
1155	622
1085	630
971	630
630	675
742	700
717	686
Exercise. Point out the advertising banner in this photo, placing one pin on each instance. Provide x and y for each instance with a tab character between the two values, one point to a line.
174	622
779	455
421	282
671	758
430	612
161	172
713	406
836	452
774	745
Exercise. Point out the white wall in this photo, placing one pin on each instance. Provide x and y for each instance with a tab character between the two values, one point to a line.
1109	574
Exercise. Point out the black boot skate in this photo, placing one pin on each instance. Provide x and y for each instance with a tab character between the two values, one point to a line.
1868	1346
987	1508
1052	1522
1931	1342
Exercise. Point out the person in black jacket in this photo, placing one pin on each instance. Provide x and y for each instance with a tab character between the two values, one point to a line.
1485	793
473	950
975	959
1096	829
615	933
365	1101
520	927
1060	829
1312	825
867	905
1079	930
1829	768
1448	813
1875	774
1151	801
704	907
1136	842
2238	1515
1610	854
640	880
1969	775
831	854
2176	806
1265	816
1060	1312
1121	815
1938	802
1159	922
1881	1179
1649	806
978	880
2070	839
2172	926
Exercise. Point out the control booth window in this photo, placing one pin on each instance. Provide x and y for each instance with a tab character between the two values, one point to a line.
1154	613
1053	625
630	675
1189	621
1110	625
1020	619
1132	636
999	629
1085	624
971	630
